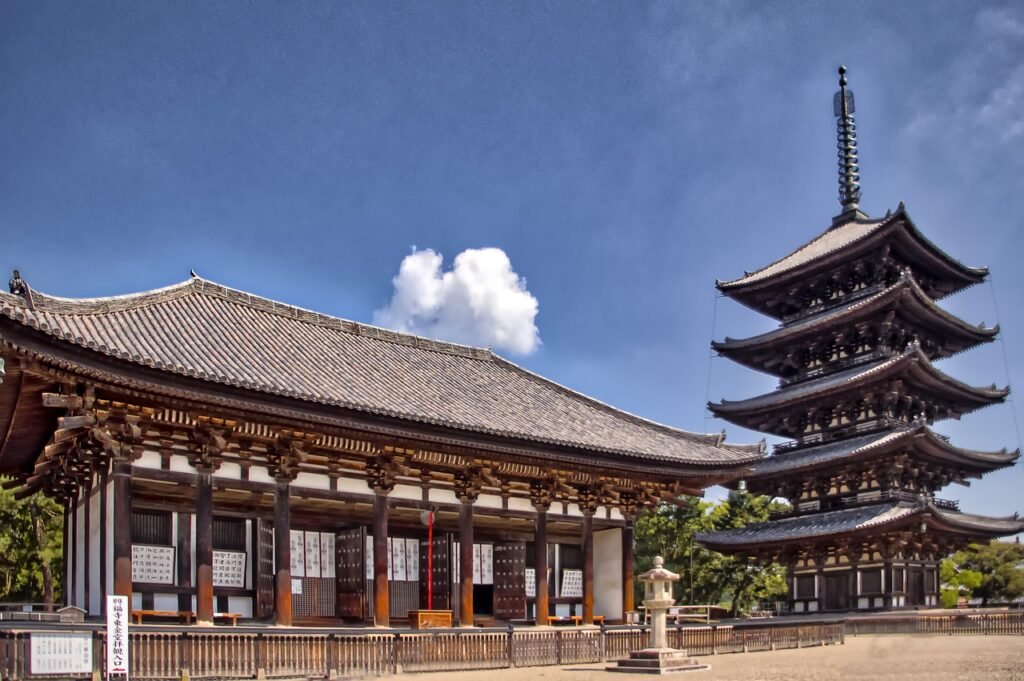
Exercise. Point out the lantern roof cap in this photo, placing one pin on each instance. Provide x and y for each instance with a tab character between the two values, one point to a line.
658	573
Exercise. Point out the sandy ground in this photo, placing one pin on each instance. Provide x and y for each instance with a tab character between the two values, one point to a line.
935	658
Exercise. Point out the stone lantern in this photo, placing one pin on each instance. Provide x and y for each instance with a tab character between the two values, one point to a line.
658	658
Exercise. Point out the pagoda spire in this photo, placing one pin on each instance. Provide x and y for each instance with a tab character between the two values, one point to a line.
846	135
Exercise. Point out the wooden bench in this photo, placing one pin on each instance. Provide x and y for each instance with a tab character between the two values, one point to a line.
228	616
578	619
185	615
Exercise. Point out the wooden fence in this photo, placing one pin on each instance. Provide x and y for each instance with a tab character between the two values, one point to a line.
999	623
173	654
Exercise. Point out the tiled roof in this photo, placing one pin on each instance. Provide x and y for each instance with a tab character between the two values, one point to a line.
786	460
839	237
209	332
906	286
847	520
806	390
812	525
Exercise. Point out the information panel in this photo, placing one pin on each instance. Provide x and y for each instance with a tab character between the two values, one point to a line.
327	555
229	569
117	635
61	653
152	564
312	554
298	551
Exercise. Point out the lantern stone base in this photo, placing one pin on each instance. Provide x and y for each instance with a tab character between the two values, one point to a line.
658	661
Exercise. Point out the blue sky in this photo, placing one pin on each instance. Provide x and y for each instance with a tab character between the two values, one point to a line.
622	155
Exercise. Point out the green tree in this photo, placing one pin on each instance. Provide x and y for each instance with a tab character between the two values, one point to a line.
708	576
992	572
31	548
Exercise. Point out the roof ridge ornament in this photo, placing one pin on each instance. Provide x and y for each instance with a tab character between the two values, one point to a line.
846	144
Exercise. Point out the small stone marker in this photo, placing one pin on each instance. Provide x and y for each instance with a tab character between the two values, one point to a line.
658	658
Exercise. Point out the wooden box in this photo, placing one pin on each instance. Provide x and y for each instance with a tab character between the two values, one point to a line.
430	619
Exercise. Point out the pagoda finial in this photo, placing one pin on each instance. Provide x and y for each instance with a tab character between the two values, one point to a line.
846	134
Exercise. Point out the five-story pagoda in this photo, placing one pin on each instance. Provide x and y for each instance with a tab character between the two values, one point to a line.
855	354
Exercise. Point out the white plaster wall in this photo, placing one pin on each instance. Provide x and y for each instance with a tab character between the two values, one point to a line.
137	601
443	496
260	474
95	532
356	486
608	573
520	504
165	602
615	514
148	460
180	464
229	470
406	492
571	510
109	529
312	481
489	501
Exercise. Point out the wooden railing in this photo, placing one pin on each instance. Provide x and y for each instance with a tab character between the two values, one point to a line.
954	623
166	653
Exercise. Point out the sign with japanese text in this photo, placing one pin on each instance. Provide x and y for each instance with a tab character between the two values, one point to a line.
152	564
327	555
229	569
61	653
117	635
298	551
312	554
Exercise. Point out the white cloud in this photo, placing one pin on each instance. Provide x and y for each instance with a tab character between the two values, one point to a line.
480	301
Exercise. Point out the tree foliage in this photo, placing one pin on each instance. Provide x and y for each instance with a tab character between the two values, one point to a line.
31	548
707	576
991	572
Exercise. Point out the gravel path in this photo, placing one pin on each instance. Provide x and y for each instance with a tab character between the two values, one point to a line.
931	658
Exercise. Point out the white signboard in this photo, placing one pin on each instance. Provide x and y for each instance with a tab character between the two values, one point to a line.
312	554
412	559
531	583
398	560
487	564
476	564
152	564
229	569
296	587
117	635
572	584
61	653
327	555
298	550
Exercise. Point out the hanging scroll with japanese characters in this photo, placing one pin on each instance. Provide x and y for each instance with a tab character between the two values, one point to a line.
327	555
229	569
298	551
312	540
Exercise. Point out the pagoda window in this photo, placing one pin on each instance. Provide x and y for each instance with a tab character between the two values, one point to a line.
805	586
871	581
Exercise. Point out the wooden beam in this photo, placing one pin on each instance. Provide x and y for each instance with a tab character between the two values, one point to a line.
80	421
59	401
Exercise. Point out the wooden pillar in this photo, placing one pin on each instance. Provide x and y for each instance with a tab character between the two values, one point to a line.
75	549
381	595
123	528
87	544
588	566
466	563
104	479
540	563
282	552
185	560
628	597
204	545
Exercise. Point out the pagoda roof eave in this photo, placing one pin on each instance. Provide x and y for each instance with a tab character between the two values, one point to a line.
842	241
906	293
870	520
915	438
912	363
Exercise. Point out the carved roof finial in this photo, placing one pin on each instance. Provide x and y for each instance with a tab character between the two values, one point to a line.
846	135
17	285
